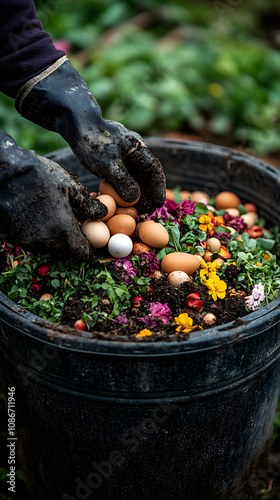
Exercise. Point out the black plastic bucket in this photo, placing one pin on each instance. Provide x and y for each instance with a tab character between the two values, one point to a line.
183	420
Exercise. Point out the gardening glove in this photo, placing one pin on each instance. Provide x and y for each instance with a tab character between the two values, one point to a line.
62	102
39	201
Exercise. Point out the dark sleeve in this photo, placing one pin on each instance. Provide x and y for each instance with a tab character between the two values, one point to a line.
25	48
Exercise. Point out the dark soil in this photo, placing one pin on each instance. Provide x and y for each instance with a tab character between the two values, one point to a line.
232	308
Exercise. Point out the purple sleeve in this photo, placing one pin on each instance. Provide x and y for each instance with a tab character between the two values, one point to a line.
25	48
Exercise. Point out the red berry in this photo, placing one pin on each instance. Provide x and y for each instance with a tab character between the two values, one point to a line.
194	295
137	299
35	286
43	269
80	325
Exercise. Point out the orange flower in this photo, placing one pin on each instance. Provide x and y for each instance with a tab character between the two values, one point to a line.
144	333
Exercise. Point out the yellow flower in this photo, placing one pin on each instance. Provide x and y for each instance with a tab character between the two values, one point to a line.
258	264
67	281
206	224
217	287
144	333
185	323
219	220
208	270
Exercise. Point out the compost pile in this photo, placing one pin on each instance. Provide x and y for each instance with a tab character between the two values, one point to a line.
218	263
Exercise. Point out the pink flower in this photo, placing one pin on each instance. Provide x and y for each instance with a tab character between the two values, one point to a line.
121	318
125	267
148	262
158	311
43	269
186	207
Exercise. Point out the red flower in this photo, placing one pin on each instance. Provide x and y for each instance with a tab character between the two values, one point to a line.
43	269
194	301
255	231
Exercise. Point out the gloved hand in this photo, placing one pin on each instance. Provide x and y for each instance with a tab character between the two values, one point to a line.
39	201
62	102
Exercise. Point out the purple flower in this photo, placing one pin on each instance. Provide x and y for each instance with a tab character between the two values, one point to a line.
121	318
186	207
158	311
171	207
224	237
125	267
253	302
236	222
149	262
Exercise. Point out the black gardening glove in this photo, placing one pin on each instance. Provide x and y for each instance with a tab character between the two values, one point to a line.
39	201
62	102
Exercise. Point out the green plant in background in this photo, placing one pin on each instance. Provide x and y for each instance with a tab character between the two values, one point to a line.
158	67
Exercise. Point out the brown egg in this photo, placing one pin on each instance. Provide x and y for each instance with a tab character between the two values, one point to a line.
128	211
139	248
226	199
106	188
176	278
232	211
46	297
153	234
122	223
250	219
185	195
96	232
200	196
170	195
180	261
250	207
213	244
110	203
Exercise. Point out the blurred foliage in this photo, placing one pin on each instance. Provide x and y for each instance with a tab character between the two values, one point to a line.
158	66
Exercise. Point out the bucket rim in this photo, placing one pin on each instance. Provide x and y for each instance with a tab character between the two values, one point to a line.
248	326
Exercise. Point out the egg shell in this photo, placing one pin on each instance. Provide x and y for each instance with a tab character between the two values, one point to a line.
120	245
213	244
96	232
139	248
250	219
200	197
176	278
122	223
110	203
232	211
127	211
226	199
153	234
180	261
106	188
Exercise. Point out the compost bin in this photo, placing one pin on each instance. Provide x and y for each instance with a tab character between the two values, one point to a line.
99	419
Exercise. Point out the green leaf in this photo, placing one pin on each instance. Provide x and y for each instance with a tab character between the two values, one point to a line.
200	209
55	283
266	244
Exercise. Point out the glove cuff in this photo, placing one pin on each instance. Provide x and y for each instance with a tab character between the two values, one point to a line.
28	86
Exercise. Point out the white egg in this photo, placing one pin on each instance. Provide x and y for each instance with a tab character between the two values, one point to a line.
120	245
